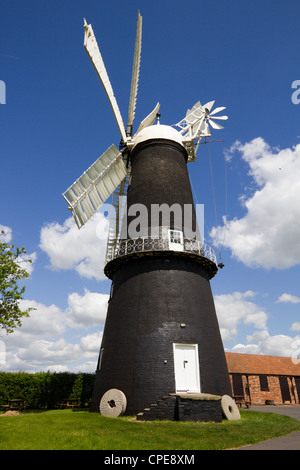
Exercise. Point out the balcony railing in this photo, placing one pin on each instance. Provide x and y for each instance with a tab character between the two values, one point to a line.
151	244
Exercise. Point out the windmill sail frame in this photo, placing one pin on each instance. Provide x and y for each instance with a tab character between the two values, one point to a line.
91	46
135	75
108	174
95	185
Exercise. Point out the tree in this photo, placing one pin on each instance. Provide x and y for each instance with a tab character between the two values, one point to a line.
10	293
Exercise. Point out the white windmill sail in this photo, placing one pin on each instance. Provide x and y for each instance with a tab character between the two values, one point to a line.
118	198
135	74
149	120
108	175
95	185
92	49
117	213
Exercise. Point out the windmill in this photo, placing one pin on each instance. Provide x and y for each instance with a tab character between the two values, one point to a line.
152	345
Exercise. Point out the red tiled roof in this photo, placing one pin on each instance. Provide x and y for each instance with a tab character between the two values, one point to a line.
258	364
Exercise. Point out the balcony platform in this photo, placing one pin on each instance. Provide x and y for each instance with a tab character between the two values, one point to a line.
137	248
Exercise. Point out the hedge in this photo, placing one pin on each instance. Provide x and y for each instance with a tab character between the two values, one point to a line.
45	389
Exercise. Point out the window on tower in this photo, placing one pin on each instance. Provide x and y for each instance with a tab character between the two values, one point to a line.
175	240
100	359
111	291
175	236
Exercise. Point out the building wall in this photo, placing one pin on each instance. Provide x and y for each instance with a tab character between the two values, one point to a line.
152	298
155	293
254	394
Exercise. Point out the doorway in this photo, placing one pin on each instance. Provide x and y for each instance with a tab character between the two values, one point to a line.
285	391
186	365
297	382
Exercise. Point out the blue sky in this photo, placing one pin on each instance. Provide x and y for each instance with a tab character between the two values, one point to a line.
57	121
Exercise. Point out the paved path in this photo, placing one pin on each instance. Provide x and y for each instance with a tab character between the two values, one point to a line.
289	442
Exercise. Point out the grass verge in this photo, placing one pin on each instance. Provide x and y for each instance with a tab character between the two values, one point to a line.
67	430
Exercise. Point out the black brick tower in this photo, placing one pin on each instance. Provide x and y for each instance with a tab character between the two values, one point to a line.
161	333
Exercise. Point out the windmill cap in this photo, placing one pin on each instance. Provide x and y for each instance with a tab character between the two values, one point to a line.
158	131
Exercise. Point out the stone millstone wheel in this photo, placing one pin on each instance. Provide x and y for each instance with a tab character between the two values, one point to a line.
113	403
229	408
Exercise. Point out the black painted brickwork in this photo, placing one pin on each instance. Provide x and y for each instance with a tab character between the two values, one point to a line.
198	410
183	409
159	175
153	296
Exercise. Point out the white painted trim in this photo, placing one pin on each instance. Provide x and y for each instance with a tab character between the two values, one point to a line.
175	246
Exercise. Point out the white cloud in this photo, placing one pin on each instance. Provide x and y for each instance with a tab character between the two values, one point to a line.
43	341
57	355
263	343
245	349
87	310
71	248
268	234
42	351
6	236
45	322
293	299
91	342
22	260
57	368
87	367
236	308
24	263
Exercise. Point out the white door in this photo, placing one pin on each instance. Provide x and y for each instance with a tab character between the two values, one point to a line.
186	364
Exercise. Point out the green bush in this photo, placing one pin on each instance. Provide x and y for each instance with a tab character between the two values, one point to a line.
45	390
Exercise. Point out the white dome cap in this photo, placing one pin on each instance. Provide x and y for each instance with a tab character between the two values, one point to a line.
158	131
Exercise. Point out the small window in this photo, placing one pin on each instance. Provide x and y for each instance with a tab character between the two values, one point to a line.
175	236
100	359
264	385
111	291
175	240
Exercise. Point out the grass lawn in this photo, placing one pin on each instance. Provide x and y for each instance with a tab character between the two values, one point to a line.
81	430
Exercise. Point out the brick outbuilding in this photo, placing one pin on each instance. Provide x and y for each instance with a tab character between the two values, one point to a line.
260	380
